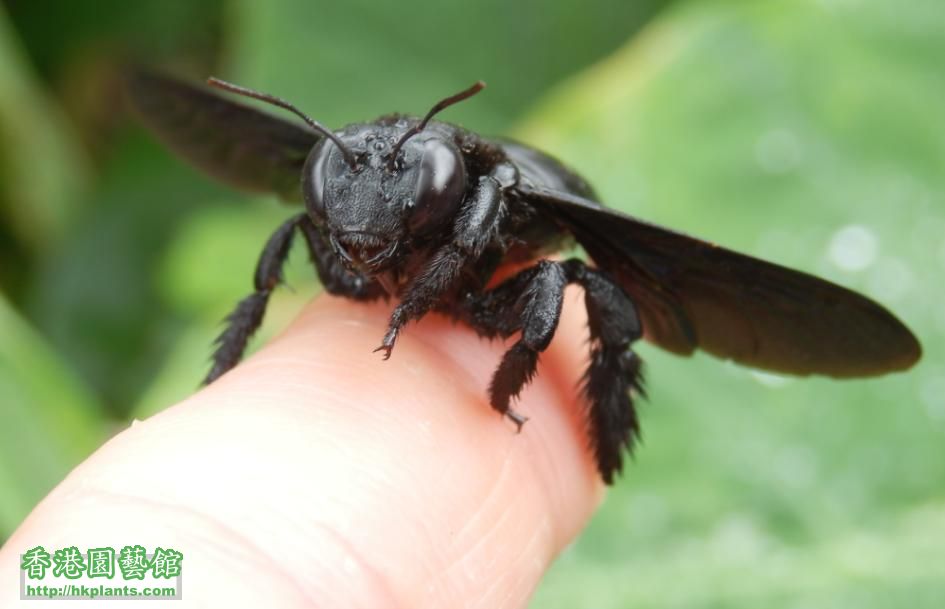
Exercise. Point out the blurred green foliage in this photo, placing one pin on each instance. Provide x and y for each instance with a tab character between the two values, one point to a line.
810	132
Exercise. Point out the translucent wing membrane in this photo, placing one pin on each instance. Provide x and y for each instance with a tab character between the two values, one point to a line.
237	144
693	294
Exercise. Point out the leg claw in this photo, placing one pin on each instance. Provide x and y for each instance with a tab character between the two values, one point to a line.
516	418
387	345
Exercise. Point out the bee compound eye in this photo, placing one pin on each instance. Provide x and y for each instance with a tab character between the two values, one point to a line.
441	185
314	175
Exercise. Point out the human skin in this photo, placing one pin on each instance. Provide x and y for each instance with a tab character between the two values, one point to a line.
315	474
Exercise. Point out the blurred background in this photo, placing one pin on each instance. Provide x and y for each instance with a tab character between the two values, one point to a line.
810	132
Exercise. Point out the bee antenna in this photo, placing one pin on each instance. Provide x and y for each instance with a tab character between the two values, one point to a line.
437	108
276	101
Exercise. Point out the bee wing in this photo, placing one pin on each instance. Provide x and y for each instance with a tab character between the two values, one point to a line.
694	294
232	142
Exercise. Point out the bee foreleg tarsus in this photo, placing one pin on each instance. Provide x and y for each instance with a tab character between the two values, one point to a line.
475	226
246	318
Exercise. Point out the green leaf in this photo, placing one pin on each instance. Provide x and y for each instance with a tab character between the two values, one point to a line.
353	61
189	361
48	420
43	170
809	133
95	295
189	274
192	284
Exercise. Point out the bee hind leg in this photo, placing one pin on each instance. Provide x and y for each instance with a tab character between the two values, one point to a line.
614	375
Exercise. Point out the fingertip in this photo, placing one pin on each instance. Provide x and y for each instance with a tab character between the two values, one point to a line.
316	448
439	374
421	421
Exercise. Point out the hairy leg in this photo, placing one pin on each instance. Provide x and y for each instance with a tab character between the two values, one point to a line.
475	227
246	318
531	302
615	372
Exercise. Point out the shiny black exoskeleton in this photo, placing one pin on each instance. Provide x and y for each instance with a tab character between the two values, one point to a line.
425	212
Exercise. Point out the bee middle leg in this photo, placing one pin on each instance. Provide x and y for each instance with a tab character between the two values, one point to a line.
531	302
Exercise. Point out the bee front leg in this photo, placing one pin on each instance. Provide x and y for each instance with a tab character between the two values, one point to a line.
475	227
246	318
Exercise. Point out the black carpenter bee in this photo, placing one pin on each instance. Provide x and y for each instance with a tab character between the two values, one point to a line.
425	212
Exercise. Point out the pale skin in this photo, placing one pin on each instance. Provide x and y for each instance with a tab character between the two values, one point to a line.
317	475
